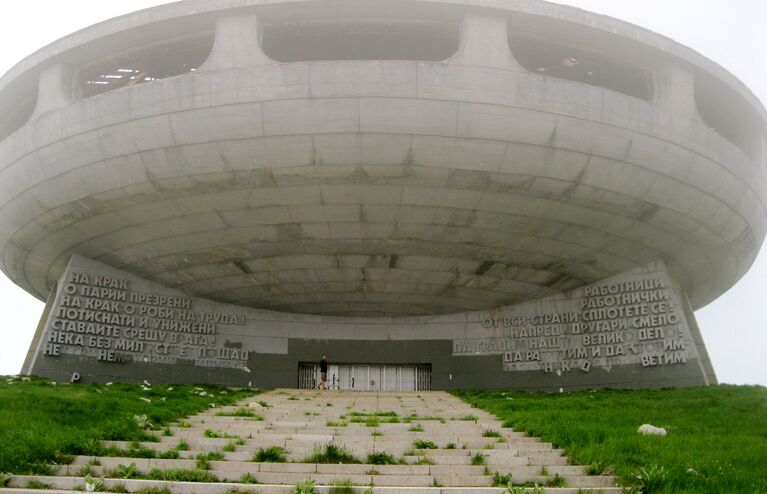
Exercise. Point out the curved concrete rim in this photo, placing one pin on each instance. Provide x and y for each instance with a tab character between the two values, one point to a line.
540	8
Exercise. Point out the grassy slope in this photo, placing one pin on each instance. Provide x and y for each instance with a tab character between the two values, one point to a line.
41	423
717	440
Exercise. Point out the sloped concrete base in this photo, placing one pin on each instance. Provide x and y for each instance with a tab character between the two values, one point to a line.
632	330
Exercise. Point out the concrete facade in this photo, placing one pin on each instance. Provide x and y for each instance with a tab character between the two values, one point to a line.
291	156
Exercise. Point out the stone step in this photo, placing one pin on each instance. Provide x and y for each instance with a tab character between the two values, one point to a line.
228	472
144	465
301	450
61	485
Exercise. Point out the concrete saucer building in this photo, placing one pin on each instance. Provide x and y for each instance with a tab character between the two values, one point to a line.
435	193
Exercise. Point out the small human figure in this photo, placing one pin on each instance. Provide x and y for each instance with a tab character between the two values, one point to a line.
323	372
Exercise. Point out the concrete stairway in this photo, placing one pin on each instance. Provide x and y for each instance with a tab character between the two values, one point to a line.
432	442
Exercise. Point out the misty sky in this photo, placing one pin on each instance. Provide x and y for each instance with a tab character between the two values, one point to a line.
730	32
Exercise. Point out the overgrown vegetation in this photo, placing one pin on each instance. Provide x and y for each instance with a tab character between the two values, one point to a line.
182	475
305	487
272	454
381	458
716	442
343	486
42	423
241	412
331	453
423	444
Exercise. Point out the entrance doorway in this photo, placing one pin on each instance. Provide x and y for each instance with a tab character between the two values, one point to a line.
368	377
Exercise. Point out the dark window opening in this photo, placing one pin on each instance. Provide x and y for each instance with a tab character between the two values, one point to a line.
15	112
149	63
360	39
724	111
579	64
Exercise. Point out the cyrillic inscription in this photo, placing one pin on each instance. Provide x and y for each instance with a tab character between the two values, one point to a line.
101	317
635	321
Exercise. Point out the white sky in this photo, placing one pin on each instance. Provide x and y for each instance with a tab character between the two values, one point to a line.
730	32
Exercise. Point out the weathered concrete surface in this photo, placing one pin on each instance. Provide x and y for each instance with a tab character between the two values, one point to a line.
374	187
630	330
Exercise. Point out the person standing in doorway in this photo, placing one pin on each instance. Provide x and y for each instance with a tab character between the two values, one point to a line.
323	372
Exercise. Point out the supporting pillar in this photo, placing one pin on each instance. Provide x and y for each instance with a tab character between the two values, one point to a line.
676	91
54	89
485	42
236	44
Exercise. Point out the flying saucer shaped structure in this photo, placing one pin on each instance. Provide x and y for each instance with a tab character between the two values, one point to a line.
397	166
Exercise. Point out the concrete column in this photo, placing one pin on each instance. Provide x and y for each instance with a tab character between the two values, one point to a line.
54	89
236	44
676	91
485	42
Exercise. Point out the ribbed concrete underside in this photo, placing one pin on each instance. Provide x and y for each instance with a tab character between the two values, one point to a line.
377	187
301	421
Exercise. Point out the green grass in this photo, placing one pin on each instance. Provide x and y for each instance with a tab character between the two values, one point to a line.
423	444
381	458
717	436
42	424
211	434
181	475
343	486
272	454
331	453
241	412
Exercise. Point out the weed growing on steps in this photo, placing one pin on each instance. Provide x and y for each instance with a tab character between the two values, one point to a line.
331	453
416	428
93	484
491	433
556	481
381	458
204	459
264	404
232	445
715	442
5	478
272	454
42	424
36	484
154	490
181	475
248	478
501	480
119	488
211	434
306	487
343	486
478	459
125	472
424	444
182	446
241	412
